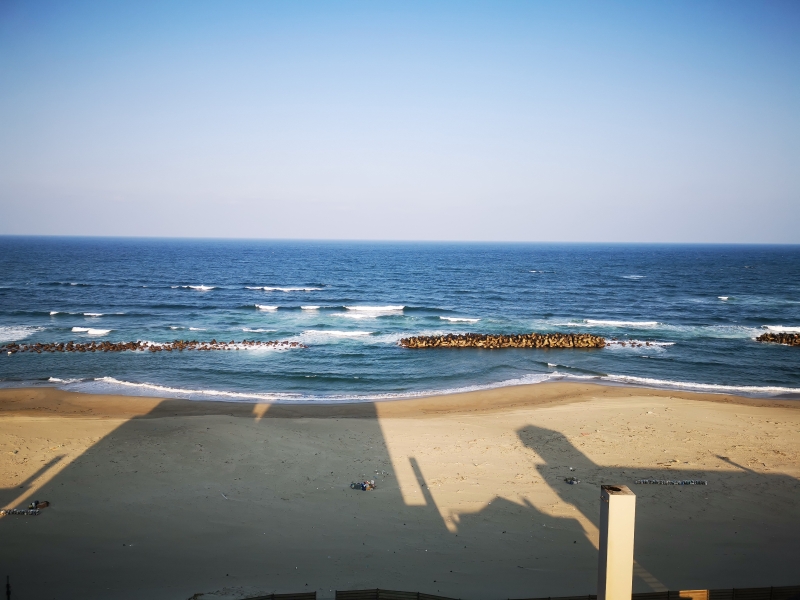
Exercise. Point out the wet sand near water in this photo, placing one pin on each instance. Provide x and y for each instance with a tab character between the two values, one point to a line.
172	498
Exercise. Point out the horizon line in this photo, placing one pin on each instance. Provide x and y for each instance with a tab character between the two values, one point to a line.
388	241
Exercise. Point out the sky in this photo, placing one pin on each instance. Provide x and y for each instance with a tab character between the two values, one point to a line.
537	121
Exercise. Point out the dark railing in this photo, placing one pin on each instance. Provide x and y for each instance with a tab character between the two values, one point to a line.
791	592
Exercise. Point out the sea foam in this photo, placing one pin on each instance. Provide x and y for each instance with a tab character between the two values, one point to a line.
608	323
314	336
12	333
266	307
91	331
701	387
199	288
106	384
371	312
781	329
459	319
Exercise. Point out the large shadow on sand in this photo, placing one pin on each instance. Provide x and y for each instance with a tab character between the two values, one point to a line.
241	500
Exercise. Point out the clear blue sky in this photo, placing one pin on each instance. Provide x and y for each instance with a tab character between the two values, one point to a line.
531	121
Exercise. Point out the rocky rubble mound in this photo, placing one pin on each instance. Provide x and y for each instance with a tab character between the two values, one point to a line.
492	341
790	339
177	345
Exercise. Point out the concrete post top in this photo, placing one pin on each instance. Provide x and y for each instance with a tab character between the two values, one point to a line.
615	490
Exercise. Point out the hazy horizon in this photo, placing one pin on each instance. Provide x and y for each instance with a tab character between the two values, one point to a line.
189	238
547	122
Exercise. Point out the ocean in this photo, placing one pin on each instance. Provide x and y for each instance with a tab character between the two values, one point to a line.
349	303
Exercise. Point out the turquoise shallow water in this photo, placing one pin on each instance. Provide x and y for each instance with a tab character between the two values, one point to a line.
700	307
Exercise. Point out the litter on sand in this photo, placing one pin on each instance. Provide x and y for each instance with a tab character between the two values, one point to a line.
572	480
673	481
34	509
364	486
28	512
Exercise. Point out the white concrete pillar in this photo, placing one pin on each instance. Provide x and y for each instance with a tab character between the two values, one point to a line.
617	521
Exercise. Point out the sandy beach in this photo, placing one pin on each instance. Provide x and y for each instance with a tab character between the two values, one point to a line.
178	499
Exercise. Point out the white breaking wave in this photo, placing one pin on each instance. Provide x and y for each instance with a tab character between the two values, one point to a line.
90	331
13	333
247	329
180	392
634	276
58	380
197	329
531	378
53	312
173	327
151	389
309	307
459	319
605	323
723	298
199	288
371	312
702	387
782	329
389	308
92	314
313	336
266	307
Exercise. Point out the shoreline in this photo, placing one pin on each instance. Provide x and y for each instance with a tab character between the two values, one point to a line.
51	399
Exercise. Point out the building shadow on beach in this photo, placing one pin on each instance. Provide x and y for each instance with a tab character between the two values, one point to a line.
239	500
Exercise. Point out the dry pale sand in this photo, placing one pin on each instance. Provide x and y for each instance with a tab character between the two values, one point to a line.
168	498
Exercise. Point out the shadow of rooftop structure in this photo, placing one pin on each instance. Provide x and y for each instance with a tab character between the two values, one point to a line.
235	497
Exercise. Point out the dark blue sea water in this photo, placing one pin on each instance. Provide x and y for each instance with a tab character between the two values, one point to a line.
350	303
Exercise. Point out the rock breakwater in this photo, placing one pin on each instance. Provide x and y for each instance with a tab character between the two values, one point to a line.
174	346
493	341
789	339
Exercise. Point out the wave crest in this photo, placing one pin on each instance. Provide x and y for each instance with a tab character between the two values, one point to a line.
91	331
782	329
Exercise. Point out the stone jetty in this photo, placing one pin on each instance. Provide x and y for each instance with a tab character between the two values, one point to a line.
174	346
789	339
493	341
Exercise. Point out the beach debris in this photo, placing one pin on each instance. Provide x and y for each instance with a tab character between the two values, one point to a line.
787	339
572	480
139	346
672	481
492	341
38	504
364	486
28	512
